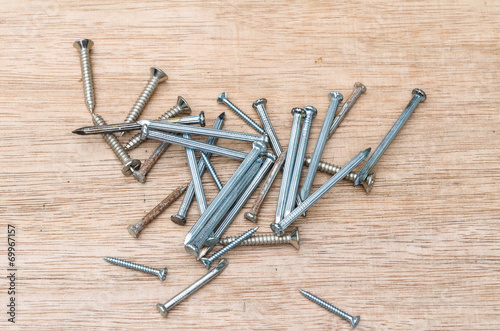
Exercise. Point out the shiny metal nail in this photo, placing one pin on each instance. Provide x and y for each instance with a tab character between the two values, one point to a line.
418	96
260	107
163	309
223	99
211	170
195	177
279	228
356	93
335	98
298	114
310	113
180	217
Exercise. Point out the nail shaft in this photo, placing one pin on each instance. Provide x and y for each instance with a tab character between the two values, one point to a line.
260	107
356	93
223	99
195	178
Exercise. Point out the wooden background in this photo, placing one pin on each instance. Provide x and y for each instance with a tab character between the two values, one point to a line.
421	252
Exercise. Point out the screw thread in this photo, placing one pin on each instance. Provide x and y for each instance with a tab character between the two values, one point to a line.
141	102
133	266
136	140
326	305
263	239
112	141
233	244
88	85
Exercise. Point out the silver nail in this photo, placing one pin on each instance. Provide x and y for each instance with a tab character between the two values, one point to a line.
223	99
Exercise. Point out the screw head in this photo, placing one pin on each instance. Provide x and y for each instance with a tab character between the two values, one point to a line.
294	238
178	219
130	166
336	96
162	310
139	176
206	262
355	321
159	74
162	274
361	86
251	217
83	44
222	97
259	102
202	119
368	182
134	232
310	111
421	93
183	105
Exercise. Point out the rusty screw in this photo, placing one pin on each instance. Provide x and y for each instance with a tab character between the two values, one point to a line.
134	230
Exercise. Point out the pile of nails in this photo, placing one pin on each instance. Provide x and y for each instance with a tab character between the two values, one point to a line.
216	217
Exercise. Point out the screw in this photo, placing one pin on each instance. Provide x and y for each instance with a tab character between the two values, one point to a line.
163	309
267	239
208	260
195	177
333	169
206	223
181	107
335	98
298	114
279	228
135	230
180	217
260	107
356	93
84	46
418	96
141	174
161	273
211	170
251	215
223	99
299	158
157	76
129	165
243	189
353	320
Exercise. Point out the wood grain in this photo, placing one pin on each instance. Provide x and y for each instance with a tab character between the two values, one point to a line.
419	253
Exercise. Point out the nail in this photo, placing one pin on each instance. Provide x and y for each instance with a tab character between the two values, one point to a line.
356	93
279	228
223	99
418	96
335	98
163	309
195	178
135	230
260	107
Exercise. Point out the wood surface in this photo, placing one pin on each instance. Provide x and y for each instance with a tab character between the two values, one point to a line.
421	252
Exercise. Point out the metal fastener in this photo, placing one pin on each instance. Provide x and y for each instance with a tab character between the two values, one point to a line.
206	224
335	98
242	191
163	309
84	46
223	99
356	93
181	107
160	273
298	114
136	229
208	260
157	76
180	217
279	228
310	113
352	320
211	170
251	215
195	177
418	96
260	107
267	239
333	169
129	164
